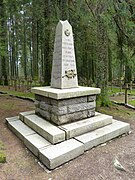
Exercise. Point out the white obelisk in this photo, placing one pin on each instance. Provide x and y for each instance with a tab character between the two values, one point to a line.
64	73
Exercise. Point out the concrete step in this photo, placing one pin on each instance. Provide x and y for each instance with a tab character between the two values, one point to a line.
26	113
19	128
30	138
56	155
80	127
52	155
35	142
49	131
103	134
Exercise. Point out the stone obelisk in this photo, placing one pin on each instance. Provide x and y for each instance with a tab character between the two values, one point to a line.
64	73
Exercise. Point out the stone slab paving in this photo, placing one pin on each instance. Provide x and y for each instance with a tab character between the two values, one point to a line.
86	125
49	131
22	114
103	134
61	153
20	129
34	142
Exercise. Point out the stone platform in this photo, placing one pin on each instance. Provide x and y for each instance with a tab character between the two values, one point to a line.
62	106
54	145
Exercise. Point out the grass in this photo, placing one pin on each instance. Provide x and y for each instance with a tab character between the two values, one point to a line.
115	90
17	93
2	153
21	94
117	111
132	102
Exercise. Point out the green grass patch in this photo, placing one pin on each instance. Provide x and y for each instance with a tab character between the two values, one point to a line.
114	90
21	94
2	157
17	93
2	153
131	102
117	111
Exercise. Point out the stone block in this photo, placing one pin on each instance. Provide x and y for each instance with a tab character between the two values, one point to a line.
34	142
91	113
71	101
15	118
86	125
20	129
45	106
49	131
91	98
22	114
37	104
59	110
61	153
67	118
81	107
42	98
103	134
43	113
38	97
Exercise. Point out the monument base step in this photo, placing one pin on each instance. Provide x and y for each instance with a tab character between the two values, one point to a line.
52	155
86	125
55	134
103	134
46	129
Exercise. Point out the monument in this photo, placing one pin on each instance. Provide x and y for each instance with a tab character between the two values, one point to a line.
64	124
65	101
64	74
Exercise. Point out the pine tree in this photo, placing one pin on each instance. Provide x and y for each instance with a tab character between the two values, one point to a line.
3	44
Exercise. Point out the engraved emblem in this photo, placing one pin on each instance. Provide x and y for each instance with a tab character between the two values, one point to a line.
67	32
70	74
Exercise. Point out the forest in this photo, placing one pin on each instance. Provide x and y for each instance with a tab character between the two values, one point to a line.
104	38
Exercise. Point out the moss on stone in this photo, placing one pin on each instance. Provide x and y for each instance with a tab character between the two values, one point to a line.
2	153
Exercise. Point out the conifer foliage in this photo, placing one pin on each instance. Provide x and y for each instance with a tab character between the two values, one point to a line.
104	35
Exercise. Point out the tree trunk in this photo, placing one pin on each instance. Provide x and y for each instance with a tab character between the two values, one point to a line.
102	58
34	43
3	50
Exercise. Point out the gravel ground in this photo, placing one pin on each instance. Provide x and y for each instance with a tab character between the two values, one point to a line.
95	164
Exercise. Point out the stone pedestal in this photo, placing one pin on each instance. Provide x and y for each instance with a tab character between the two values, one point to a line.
62	106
